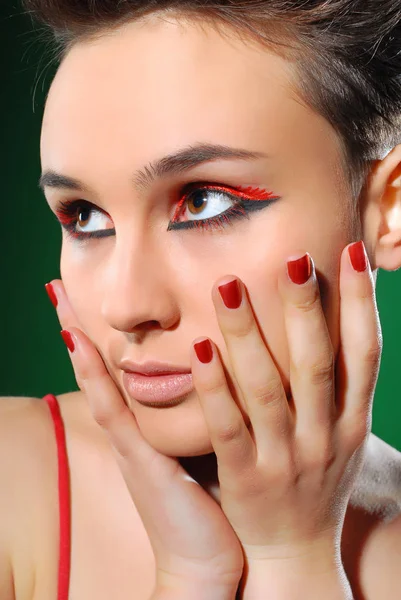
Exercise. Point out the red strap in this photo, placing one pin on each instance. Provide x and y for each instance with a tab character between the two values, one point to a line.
64	499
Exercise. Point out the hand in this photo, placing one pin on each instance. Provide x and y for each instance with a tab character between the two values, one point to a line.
195	547
286	481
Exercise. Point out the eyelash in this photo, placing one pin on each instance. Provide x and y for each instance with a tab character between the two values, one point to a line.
247	200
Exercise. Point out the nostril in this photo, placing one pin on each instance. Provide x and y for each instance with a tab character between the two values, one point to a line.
149	325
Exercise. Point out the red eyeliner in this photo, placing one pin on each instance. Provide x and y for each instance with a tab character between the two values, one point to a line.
245	193
67	214
65	219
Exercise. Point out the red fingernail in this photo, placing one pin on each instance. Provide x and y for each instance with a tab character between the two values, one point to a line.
300	270
231	294
69	342
358	257
52	294
204	351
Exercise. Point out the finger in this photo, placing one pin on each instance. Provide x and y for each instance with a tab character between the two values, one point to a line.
230	438
106	403
361	345
311	353
253	367
56	292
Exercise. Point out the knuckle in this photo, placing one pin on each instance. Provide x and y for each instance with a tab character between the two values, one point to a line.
372	353
243	327
103	417
230	432
321	371
367	292
356	432
89	373
268	393
310	302
214	387
83	375
109	417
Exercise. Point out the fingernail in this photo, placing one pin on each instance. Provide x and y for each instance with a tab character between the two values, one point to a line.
300	270
358	256
52	294
69	342
204	351
231	294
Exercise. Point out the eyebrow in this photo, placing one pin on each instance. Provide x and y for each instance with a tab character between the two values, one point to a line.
172	164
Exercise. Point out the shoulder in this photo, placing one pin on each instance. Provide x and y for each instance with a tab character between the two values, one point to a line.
26	439
27	436
23	432
26	422
24	425
380	574
28	491
27	454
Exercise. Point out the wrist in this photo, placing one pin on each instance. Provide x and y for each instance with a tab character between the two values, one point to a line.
173	588
193	593
311	576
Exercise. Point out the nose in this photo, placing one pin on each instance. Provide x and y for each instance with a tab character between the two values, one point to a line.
137	294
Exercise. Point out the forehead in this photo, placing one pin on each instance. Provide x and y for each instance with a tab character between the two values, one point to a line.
152	86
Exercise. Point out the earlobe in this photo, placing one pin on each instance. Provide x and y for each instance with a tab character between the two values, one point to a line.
385	192
388	251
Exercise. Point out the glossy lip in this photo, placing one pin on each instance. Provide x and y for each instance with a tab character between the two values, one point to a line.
158	391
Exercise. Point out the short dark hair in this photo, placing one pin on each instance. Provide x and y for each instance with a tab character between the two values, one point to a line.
348	54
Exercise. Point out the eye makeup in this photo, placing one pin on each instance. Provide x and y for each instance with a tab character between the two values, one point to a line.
244	201
68	213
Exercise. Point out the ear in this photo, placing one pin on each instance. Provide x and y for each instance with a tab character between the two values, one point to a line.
382	212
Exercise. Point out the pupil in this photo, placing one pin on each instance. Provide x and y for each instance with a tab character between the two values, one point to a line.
83	215
197	201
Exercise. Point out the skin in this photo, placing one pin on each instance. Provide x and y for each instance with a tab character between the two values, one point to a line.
161	87
93	120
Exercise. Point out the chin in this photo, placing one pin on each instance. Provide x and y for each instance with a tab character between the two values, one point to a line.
178	432
183	448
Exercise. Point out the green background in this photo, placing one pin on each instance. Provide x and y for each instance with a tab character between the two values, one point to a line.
34	361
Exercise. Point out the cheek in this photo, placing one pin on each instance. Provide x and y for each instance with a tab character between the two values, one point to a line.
79	283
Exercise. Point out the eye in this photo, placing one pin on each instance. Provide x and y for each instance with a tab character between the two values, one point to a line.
203	203
214	206
81	218
89	219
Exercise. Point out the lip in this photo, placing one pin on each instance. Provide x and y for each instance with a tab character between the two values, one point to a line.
152	368
158	391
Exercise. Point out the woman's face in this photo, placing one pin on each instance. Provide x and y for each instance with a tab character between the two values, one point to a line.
144	293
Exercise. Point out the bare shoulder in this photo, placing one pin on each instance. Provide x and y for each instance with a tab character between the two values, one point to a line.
15	424
28	444
25	434
375	520
28	494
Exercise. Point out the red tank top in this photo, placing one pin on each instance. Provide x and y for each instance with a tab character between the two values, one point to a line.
64	499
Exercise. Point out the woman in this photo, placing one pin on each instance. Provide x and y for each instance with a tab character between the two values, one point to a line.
270	132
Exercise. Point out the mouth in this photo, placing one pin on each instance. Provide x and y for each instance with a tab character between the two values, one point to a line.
157	385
